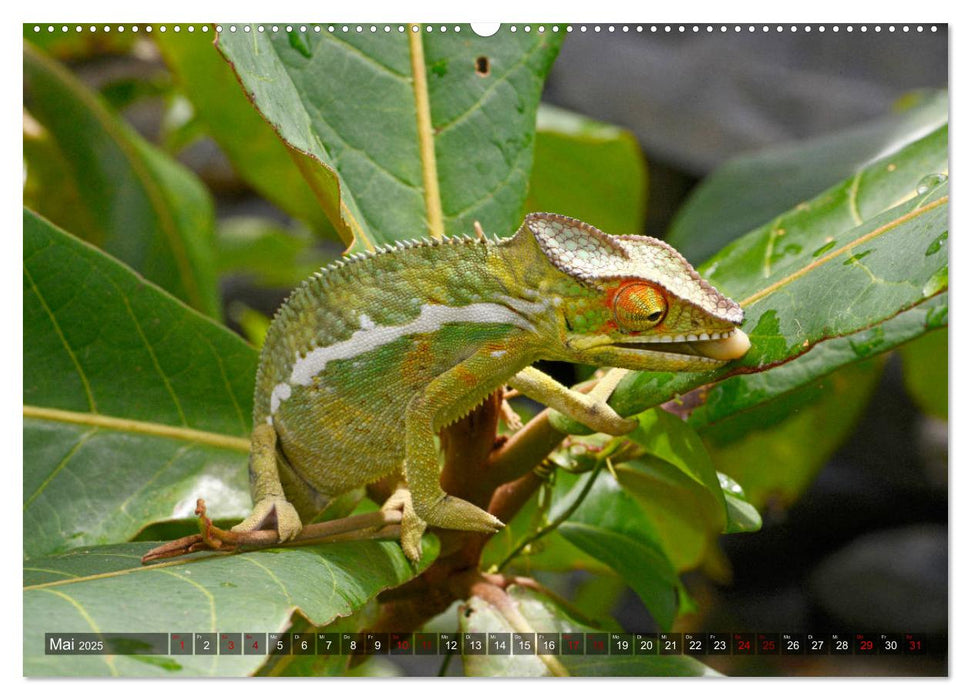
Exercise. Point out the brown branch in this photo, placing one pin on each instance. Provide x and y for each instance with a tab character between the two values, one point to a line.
376	525
467	445
524	450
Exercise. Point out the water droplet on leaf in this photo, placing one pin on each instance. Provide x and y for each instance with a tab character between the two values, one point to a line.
298	41
929	182
823	248
867	343
936	244
936	317
936	283
857	257
440	68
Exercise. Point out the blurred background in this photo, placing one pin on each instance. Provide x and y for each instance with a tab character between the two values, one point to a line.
864	547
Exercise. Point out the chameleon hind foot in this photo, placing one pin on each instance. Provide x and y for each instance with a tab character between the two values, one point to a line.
277	508
412	527
455	514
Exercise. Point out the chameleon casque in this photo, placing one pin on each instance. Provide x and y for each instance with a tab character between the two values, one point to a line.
373	355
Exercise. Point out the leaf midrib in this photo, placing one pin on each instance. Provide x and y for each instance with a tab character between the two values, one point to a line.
129	425
879	231
426	138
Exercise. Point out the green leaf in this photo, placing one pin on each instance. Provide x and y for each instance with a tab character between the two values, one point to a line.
540	613
127	197
351	109
104	589
550	553
685	517
599	596
796	433
252	324
256	152
676	487
925	372
267	253
611	526
752	189
592	171
668	438
134	405
742	515
850	275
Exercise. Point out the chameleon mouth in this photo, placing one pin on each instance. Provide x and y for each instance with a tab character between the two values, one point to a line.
715	347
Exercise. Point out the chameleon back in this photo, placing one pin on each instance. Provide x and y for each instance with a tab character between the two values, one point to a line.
354	344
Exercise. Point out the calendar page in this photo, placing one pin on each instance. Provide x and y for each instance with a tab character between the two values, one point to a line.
536	349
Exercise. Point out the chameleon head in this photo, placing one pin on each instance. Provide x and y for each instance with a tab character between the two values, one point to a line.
634	301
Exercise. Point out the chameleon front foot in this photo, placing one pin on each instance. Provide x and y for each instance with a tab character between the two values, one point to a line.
277	508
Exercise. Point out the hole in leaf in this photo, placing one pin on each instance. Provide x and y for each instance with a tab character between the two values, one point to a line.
482	66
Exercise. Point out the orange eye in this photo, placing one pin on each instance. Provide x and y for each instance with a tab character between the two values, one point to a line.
639	307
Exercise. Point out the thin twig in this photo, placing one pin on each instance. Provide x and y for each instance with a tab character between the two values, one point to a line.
542	532
376	525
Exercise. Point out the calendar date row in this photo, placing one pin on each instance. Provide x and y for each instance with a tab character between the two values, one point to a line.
491	643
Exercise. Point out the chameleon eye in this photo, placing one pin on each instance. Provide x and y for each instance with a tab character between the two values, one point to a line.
639	307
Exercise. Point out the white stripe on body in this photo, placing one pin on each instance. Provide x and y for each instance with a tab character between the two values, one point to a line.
371	336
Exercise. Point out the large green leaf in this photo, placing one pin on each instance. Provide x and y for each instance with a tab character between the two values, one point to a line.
612	527
795	433
247	140
404	135
853	273
266	253
104	589
589	170
750	190
673	500
528	611
925	372
676	487
127	197
134	405
667	438
552	552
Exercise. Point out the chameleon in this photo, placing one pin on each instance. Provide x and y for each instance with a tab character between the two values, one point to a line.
373	355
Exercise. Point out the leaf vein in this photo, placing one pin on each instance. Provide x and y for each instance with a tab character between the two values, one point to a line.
67	458
108	660
172	460
333	36
853	198
499	80
67	346
151	352
272	576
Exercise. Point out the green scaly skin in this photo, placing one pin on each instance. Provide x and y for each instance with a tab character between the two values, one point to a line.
405	341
